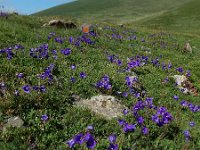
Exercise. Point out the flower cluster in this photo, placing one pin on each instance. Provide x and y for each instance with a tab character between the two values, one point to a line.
112	140
81	138
192	107
133	63
81	39
131	80
27	88
9	51
104	83
66	51
47	74
41	52
126	126
114	59
162	117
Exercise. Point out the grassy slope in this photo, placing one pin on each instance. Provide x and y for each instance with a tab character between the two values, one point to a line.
177	16
65	121
185	19
116	9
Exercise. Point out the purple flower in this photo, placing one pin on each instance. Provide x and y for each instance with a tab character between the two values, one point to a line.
187	135
54	52
20	75
73	79
188	74
27	89
104	83
130	80
145	130
140	120
166	79
73	67
66	51
162	116
42	88
35	87
121	122
119	62
149	102
184	103
192	124
175	97
112	147
125	111
125	94
180	69
129	127
169	65
112	138
82	75
44	117
77	139
2	85
90	141
71	39
90	127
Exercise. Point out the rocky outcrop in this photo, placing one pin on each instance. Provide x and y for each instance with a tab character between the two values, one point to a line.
104	105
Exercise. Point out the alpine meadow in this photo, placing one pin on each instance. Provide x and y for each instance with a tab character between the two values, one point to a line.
102	75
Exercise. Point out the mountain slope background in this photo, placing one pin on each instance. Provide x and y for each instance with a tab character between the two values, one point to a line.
180	16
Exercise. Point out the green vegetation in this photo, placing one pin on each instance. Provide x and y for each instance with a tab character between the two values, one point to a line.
37	79
112	9
184	19
178	16
55	98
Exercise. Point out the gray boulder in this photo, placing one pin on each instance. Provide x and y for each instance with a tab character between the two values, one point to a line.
57	23
15	121
104	105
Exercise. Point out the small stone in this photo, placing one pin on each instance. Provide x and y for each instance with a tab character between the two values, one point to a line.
15	122
179	79
187	47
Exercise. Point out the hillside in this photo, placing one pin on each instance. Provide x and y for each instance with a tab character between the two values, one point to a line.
184	19
178	16
116	9
43	69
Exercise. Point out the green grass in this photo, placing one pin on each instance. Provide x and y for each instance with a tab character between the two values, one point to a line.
184	19
177	16
112	9
65	120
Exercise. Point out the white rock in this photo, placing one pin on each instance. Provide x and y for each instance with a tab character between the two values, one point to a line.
15	121
179	79
104	105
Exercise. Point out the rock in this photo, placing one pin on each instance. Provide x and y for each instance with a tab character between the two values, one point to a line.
14	122
86	28
121	25
179	79
60	24
70	25
106	106
57	23
187	47
185	85
45	25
